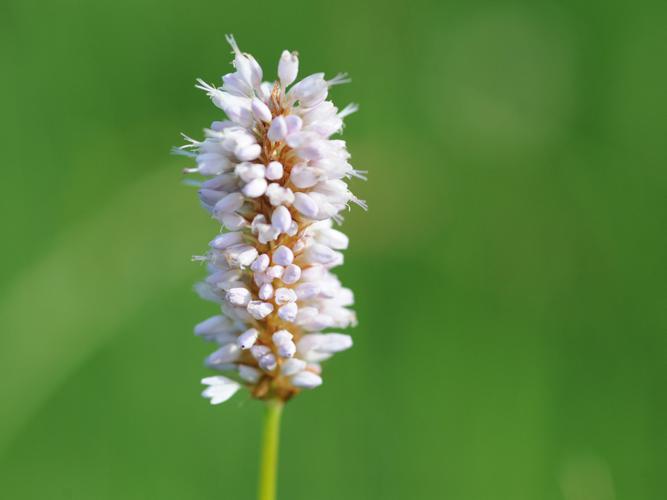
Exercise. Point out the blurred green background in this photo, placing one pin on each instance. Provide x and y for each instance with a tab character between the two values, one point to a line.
510	273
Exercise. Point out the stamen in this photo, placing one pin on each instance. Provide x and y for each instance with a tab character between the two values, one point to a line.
348	110
359	202
231	41
359	174
193	142
202	85
339	79
179	151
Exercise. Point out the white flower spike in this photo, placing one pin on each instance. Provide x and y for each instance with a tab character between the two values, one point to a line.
276	180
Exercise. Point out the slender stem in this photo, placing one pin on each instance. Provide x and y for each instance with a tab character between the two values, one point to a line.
269	462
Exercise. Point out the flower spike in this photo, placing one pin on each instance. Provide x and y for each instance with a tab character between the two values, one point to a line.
276	181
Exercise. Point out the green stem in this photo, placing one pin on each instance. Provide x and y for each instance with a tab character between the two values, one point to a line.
269	462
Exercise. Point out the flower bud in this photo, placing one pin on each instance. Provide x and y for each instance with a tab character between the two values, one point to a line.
249	171
305	204
260	263
279	195
281	219
288	312
238	296
265	291
255	188
278	129
258	309
249	374
260	110
247	339
292	366
283	256
306	380
284	296
225	240
291	274
247	153
288	68
303	176
240	255
258	351
268	362
275	272
232	221
230	203
274	170
228	353
282	339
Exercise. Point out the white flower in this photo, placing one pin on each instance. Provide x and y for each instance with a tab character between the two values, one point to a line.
306	380
288	312
276	180
284	295
292	366
228	353
291	274
249	374
283	255
219	389
288	67
274	170
247	339
282	339
238	296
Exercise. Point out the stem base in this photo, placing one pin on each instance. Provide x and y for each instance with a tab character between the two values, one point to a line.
268	470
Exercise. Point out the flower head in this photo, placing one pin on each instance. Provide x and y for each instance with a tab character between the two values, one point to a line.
276	182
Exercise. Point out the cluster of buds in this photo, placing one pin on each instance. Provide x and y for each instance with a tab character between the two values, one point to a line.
276	183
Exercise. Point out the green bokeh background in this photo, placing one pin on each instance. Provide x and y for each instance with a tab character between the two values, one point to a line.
510	273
